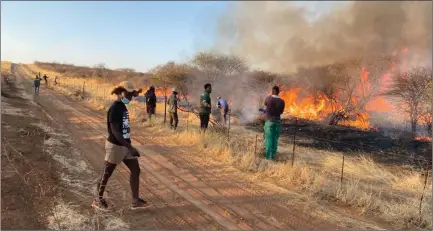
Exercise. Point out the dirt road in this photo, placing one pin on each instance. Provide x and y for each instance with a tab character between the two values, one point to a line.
185	190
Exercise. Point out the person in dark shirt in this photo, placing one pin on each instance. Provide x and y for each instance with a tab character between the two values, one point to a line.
37	84
150	101
205	107
172	108
274	108
118	147
46	79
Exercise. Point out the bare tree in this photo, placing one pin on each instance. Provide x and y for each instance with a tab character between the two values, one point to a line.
125	70
427	115
172	74
101	71
261	82
217	67
411	87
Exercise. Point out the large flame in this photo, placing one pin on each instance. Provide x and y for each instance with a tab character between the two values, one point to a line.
319	107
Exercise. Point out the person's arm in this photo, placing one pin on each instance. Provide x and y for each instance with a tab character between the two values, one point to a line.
284	106
205	101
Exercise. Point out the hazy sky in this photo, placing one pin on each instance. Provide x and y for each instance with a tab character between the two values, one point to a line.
134	34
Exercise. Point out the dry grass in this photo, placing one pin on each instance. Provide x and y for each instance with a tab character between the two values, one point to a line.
6	67
369	187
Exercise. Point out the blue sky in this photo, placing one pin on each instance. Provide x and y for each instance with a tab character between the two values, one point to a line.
135	34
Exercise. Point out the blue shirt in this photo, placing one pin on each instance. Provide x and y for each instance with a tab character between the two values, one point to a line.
223	103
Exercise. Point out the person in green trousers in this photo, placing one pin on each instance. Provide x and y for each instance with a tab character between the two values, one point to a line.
274	108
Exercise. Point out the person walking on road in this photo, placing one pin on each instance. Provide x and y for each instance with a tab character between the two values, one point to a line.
172	108
274	108
205	107
118	147
37	84
224	107
46	80
150	98
56	80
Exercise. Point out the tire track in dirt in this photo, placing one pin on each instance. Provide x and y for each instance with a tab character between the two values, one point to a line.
184	176
259	201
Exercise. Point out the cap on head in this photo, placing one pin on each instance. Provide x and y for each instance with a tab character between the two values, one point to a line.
152	87
128	86
174	90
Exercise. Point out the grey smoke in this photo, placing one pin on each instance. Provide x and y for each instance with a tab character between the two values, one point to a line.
279	35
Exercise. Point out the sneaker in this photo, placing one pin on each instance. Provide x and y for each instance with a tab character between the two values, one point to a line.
139	204
100	204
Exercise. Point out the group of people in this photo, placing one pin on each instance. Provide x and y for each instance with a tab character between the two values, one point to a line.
118	146
172	102
37	82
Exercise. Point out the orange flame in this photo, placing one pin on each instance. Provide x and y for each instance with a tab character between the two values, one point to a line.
423	138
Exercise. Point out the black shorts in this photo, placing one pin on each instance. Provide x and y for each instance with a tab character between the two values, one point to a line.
204	120
150	110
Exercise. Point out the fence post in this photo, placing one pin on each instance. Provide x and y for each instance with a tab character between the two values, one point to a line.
294	142
84	83
187	117
422	195
165	108
342	174
255	147
228	130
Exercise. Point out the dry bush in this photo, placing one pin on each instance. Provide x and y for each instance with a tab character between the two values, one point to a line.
411	88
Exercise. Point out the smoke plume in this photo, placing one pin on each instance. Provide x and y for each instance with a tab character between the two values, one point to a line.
280	37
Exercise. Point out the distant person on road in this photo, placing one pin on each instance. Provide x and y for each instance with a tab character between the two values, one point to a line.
224	107
150	98
37	84
118	147
57	80
46	79
172	108
205	107
274	108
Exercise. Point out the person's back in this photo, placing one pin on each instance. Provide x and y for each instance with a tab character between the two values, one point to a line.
151	98
172	102
274	108
36	82
223	103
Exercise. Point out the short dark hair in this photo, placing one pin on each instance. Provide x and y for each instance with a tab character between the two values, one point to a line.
207	85
276	89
